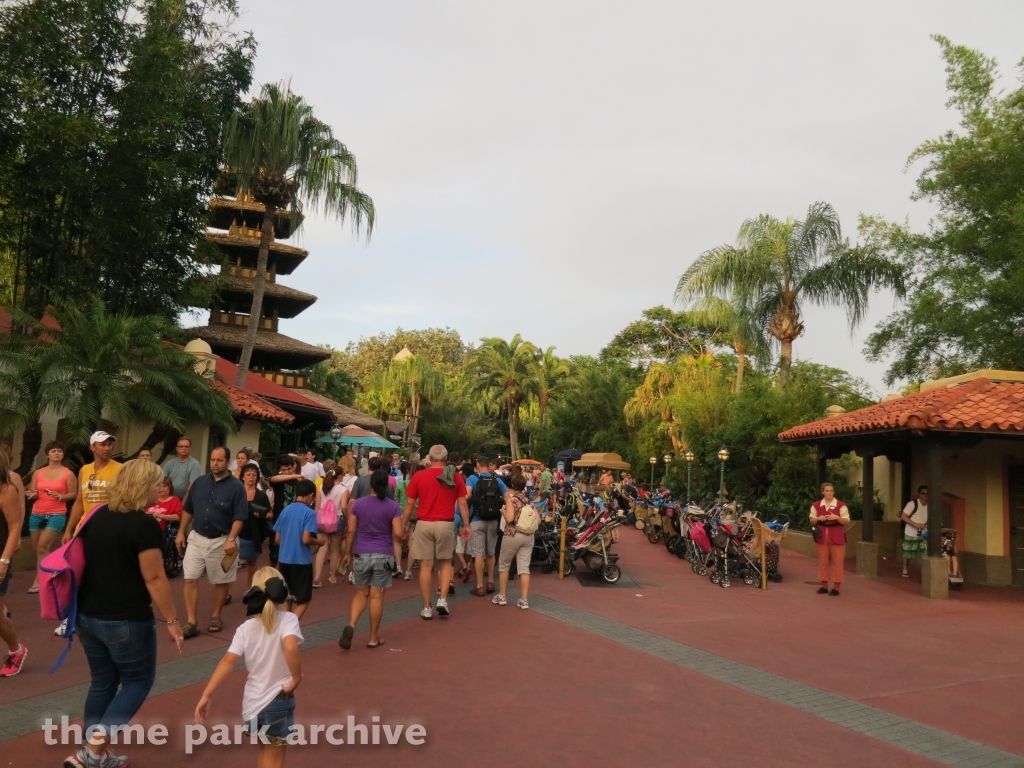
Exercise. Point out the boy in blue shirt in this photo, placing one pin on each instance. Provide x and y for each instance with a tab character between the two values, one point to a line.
296	533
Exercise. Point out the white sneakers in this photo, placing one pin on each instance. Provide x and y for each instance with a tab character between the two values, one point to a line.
427	613
442	606
408	576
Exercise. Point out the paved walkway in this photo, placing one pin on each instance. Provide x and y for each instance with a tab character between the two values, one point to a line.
675	667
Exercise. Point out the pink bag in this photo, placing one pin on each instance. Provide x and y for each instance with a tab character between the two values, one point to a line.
60	576
327	517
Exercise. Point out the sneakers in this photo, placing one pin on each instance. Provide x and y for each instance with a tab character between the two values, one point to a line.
427	613
499	600
84	758
523	603
408	576
442	606
14	661
490	587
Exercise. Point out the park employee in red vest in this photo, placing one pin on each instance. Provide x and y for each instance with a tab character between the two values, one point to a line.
831	517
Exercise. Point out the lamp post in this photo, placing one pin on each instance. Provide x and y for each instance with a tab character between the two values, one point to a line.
335	435
689	466
723	456
654	461
667	458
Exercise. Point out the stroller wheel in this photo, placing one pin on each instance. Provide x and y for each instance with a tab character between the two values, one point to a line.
715	577
547	568
702	570
611	573
749	580
569	569
777	577
682	554
725	584
639	525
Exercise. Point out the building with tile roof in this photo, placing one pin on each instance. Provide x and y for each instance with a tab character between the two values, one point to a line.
963	437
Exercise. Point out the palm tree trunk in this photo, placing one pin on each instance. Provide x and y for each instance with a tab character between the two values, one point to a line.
741	360
31	441
785	361
414	415
542	401
257	294
513	430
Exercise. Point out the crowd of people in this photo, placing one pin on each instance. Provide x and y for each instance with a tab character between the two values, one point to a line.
375	522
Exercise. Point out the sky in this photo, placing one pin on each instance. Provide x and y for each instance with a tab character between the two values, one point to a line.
552	168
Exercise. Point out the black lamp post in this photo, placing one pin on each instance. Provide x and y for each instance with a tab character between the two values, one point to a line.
723	456
689	466
654	461
336	436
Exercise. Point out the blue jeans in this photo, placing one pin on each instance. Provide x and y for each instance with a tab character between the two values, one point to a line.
119	653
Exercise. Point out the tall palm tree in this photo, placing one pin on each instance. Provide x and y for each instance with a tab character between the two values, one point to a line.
508	369
552	374
285	157
412	380
734	320
95	365
781	264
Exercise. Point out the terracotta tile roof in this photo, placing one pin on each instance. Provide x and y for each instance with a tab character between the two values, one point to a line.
264	388
980	405
247	404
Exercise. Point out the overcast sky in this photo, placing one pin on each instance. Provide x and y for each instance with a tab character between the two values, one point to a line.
551	168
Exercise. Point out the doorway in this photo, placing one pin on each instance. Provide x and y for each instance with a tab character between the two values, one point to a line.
1015	493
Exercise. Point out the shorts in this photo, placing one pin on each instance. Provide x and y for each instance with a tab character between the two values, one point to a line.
5	582
47	522
433	540
278	716
299	579
204	555
519	548
249	550
913	547
373	570
461	545
485	536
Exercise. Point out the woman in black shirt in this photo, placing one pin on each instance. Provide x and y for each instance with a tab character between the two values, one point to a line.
250	538
124	575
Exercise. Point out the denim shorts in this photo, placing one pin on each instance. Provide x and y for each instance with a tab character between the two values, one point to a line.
47	522
373	570
279	716
249	551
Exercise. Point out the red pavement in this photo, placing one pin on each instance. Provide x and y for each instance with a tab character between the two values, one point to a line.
503	686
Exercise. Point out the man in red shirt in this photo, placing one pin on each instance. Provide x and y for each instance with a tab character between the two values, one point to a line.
438	488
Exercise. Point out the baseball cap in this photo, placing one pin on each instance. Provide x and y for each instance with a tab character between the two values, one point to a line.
100	437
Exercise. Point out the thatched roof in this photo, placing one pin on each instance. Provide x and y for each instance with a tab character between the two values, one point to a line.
224	210
288	301
342	413
286	257
273	350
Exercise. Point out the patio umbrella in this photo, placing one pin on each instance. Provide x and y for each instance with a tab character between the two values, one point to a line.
528	463
571	454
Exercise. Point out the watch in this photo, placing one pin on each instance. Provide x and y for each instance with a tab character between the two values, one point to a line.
5	561
233	541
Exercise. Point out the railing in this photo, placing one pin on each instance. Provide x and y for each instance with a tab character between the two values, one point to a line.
285	378
250	272
231	318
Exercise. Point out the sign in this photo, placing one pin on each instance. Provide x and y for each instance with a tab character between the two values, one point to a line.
397	426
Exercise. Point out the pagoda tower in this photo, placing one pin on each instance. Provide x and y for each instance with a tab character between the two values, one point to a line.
235	231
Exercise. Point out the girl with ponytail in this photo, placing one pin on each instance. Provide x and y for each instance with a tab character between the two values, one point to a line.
269	642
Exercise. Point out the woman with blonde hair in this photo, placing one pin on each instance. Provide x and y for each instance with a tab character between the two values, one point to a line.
124	576
269	642
347	480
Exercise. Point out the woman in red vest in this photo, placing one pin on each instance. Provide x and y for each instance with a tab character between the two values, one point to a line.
831	517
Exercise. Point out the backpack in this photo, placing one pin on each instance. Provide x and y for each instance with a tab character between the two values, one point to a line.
60	576
487	499
528	520
327	517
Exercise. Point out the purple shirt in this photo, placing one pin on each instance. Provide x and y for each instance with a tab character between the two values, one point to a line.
374	531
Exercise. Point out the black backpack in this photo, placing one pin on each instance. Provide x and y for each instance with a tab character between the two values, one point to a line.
487	499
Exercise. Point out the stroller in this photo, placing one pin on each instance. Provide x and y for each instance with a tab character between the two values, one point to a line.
592	546
172	560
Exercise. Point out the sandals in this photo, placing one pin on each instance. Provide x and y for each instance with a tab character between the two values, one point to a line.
479	592
190	630
378	644
317	584
490	587
33	589
345	641
216	625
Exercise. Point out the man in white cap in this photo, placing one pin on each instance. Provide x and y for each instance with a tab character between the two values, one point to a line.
93	479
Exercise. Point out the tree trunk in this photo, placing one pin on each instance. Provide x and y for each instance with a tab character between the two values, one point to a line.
542	401
414	415
257	295
31	441
513	429
785	361
158	434
741	360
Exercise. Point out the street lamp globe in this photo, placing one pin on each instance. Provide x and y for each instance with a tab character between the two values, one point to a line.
653	459
667	458
689	456
723	454
336	432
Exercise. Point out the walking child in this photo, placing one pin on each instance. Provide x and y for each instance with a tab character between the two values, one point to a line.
296	532
269	643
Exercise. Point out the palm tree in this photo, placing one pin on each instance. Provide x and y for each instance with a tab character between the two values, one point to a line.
93	365
284	156
734	320
507	369
413	379
778	264
552	373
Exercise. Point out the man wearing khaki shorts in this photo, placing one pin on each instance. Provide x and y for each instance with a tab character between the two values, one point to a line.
439	488
215	508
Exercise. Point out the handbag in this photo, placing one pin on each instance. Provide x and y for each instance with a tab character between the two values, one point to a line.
327	517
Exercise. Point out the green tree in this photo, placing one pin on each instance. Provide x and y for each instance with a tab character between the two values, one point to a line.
330	379
965	306
506	369
776	266
459	420
552	373
660	336
112	113
286	158
443	347
93	365
734	322
413	380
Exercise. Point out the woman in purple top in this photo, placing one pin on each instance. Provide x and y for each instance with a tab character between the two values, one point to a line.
378	522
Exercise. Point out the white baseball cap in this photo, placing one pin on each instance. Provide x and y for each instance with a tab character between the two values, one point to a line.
100	437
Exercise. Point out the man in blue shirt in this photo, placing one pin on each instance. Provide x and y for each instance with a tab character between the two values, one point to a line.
214	509
296	533
487	495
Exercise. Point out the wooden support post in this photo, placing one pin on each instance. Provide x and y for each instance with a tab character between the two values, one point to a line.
868	479
822	467
934	498
561	551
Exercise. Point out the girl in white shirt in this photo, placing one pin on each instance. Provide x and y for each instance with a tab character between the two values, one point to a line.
333	489
269	643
